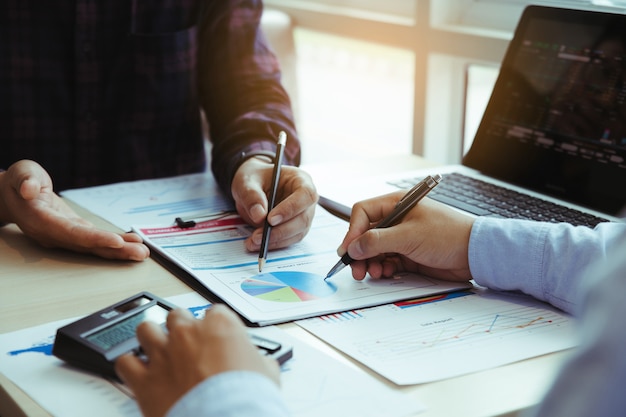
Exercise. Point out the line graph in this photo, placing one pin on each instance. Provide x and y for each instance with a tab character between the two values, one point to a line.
447	336
456	332
531	322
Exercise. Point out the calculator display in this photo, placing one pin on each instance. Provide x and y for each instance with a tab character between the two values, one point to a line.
125	330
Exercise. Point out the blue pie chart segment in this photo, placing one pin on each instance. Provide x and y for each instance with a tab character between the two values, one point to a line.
288	286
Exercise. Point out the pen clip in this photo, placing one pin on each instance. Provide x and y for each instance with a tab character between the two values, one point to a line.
429	181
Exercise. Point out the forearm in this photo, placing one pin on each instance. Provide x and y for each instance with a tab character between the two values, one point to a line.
544	260
252	129
240	90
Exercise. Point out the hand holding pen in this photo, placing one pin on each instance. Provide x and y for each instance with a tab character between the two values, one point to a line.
403	206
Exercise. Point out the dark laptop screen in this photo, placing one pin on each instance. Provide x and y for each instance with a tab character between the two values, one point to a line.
556	121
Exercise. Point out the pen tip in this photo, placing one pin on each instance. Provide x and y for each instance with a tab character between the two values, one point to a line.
261	264
331	273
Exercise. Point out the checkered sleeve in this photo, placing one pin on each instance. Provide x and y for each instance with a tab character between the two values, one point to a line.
240	90
1	223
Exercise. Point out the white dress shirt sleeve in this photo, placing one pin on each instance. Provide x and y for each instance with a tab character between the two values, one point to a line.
544	260
232	394
592	382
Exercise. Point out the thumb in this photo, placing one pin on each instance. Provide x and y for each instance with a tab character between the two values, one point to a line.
375	242
254	202
28	178
130	369
250	199
30	188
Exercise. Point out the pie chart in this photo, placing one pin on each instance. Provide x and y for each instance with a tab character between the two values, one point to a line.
288	286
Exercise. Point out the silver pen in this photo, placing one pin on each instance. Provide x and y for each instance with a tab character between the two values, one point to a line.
403	206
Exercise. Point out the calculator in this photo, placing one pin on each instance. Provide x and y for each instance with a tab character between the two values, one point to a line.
94	342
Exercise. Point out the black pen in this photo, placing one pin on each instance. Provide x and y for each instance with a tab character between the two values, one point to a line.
403	206
278	161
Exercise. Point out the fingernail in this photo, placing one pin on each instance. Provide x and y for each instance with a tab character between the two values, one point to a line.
275	220
257	212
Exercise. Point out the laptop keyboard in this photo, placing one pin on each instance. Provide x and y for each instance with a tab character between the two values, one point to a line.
484	199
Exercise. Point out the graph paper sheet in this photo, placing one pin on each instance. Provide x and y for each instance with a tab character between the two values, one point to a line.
154	201
213	258
292	284
444	336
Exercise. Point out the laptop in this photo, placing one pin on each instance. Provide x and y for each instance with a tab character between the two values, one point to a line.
552	142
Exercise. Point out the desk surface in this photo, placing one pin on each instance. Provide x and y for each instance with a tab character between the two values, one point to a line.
41	285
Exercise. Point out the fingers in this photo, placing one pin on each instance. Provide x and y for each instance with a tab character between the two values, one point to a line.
65	233
365	215
297	193
129	252
98	240
29	188
222	319
133	251
152	338
377	267
87	236
252	204
28	178
292	215
359	270
375	242
271	369
129	367
188	353
179	317
131	237
431	238
23	181
247	190
285	234
28	200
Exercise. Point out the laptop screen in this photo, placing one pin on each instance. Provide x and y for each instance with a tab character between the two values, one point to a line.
556	120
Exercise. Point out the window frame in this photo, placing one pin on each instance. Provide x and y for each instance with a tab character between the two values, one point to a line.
446	37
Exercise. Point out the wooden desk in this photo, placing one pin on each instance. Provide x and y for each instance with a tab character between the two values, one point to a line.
41	285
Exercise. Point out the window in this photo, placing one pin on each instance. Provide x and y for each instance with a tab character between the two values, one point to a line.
480	80
448	44
355	97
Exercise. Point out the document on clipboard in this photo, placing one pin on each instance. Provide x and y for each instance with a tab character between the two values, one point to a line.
208	253
153	201
212	256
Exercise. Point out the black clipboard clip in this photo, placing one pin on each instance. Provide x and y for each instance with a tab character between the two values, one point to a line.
186	223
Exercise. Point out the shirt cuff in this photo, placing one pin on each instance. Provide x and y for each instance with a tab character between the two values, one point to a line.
225	166
507	255
544	260
244	156
232	394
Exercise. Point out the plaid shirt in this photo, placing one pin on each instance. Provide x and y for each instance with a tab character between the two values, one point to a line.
101	91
